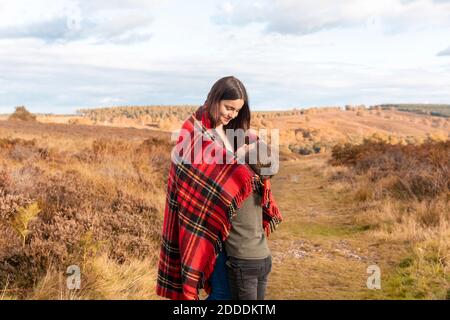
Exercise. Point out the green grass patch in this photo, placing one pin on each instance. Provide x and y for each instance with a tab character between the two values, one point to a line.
302	229
418	278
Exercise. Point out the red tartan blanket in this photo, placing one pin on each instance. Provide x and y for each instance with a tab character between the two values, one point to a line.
201	201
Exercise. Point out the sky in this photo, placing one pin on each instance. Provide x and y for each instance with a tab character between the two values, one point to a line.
60	56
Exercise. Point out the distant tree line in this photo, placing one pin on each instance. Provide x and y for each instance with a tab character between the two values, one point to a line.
440	110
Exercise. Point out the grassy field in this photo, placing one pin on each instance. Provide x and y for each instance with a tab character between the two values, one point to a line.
328	241
100	195
93	196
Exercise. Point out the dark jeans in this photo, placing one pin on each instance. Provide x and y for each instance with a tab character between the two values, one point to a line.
248	278
220	289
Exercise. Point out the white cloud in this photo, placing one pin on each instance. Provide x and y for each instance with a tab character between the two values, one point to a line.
111	101
227	7
309	16
67	20
54	83
445	52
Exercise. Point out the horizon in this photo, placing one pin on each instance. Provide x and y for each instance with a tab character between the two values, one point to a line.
252	110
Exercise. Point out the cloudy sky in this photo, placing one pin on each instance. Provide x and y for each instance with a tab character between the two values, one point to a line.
58	56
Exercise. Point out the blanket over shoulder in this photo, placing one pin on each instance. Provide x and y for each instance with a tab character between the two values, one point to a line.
202	197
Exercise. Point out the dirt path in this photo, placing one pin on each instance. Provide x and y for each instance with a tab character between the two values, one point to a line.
318	251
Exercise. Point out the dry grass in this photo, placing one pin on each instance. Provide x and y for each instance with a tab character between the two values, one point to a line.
101	191
403	196
103	278
100	199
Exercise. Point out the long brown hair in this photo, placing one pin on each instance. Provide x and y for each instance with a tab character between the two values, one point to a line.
228	88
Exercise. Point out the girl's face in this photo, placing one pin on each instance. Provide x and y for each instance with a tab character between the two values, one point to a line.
229	109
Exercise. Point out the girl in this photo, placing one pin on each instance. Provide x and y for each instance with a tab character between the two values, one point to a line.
203	198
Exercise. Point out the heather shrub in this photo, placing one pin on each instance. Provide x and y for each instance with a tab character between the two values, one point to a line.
107	203
23	150
22	114
420	171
